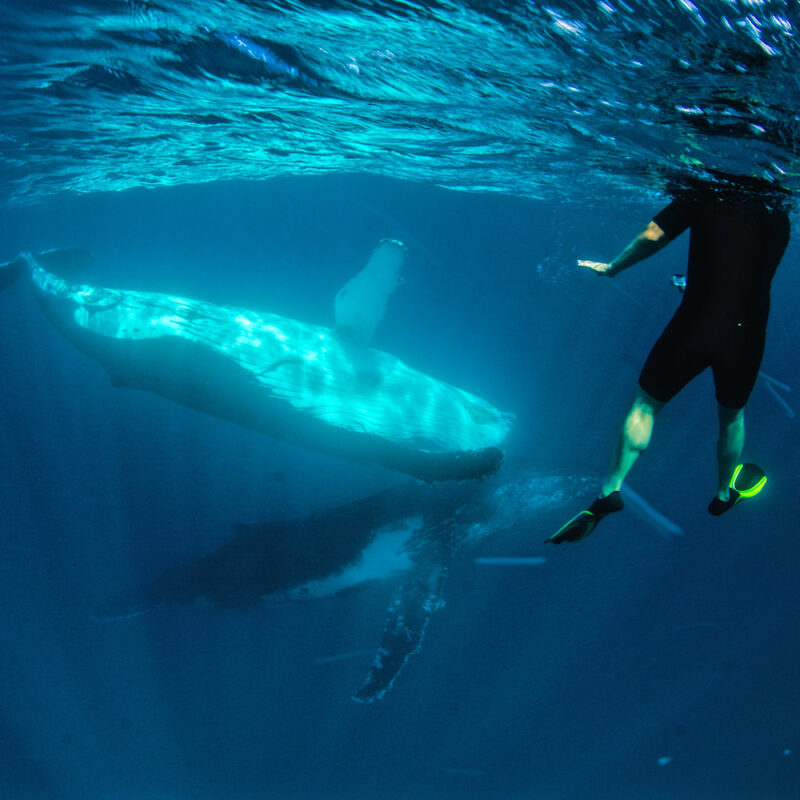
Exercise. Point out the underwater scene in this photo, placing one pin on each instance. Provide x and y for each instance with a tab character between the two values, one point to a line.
318	372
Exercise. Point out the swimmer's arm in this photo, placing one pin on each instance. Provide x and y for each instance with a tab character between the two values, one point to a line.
648	242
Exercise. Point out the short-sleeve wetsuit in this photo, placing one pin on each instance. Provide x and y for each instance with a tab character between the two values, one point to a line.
735	247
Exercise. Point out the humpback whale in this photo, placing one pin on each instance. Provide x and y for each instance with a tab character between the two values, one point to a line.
408	535
321	388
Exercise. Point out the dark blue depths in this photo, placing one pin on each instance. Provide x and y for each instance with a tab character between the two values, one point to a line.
570	679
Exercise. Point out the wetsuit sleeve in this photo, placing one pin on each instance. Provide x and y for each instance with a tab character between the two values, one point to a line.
675	218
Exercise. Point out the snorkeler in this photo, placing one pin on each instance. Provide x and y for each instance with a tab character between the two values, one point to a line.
739	232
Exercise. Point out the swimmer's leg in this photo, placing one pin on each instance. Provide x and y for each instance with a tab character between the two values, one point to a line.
737	481
633	439
729	447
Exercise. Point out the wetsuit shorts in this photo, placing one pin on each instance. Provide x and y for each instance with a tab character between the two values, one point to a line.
734	250
685	349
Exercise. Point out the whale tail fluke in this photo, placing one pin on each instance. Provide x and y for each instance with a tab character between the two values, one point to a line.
65	261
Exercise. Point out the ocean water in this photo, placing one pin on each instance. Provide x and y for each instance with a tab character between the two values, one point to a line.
253	154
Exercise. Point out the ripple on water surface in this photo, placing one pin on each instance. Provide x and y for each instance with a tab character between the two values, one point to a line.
526	99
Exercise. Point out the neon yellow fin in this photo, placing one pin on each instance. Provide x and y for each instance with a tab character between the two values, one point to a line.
748	480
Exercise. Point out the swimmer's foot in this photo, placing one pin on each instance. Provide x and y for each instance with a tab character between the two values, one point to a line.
747	481
581	525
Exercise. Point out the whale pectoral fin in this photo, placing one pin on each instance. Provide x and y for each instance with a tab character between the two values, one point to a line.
409	613
361	303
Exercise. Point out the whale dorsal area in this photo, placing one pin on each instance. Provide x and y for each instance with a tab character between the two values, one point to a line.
361	303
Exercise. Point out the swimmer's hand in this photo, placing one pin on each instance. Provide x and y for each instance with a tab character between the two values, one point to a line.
600	267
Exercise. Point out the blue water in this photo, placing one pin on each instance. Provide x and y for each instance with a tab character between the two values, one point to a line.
253	154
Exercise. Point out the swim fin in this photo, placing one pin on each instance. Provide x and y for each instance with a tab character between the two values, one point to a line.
747	481
582	524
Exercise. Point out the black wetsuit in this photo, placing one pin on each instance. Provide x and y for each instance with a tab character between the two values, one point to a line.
735	247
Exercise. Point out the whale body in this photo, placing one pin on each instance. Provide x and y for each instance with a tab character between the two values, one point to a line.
408	535
293	380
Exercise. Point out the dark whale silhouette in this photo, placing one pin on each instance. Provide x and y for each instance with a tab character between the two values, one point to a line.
408	534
